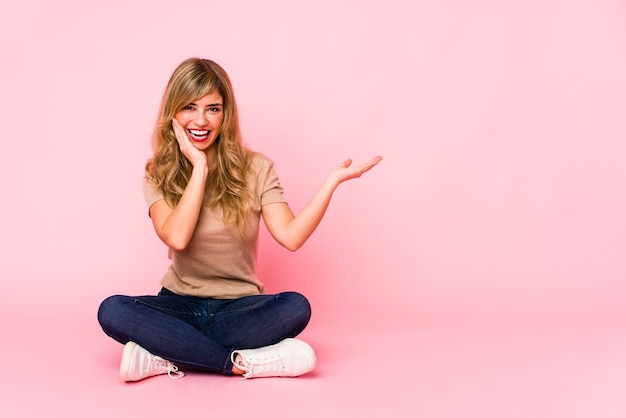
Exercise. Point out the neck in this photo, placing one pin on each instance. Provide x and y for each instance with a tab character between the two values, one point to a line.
211	156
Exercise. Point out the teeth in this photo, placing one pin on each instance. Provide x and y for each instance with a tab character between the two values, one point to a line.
198	133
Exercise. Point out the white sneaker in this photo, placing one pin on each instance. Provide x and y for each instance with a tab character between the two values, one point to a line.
138	363
290	357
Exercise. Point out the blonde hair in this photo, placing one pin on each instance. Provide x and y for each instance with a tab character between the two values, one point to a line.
170	170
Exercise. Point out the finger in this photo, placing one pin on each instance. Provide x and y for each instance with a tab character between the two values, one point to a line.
176	126
374	161
347	162
179	132
370	164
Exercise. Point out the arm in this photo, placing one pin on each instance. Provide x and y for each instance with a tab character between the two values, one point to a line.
292	231
175	226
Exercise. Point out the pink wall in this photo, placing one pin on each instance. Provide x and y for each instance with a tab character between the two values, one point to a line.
502	126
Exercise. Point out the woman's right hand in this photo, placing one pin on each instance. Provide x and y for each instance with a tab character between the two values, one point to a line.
175	226
193	154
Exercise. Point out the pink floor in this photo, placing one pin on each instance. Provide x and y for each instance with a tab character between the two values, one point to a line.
402	367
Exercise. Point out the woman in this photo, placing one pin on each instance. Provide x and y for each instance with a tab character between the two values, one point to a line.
206	194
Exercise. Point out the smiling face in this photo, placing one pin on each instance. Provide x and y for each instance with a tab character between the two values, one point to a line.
202	119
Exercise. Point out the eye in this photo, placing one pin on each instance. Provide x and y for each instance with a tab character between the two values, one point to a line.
214	109
188	107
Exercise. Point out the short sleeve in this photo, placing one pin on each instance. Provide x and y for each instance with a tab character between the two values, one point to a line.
269	188
151	192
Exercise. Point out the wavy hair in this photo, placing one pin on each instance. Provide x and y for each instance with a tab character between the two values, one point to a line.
170	170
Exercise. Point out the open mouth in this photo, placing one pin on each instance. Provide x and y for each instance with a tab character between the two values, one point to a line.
199	135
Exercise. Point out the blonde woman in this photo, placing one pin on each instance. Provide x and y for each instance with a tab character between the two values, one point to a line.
206	194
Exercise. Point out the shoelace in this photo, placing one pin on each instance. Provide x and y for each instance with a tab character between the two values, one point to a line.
173	372
259	367
160	363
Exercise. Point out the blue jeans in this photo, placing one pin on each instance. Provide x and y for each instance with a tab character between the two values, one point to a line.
201	333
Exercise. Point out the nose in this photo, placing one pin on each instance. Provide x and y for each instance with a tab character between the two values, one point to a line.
200	119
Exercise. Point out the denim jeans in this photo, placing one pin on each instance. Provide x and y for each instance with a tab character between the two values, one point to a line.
201	333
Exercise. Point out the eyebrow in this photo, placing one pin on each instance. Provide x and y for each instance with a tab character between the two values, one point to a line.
210	104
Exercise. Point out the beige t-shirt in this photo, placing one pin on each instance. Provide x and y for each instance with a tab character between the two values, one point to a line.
219	262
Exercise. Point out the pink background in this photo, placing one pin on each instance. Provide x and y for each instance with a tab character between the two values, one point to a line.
488	246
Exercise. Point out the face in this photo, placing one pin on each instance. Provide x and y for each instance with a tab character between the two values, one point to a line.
202	119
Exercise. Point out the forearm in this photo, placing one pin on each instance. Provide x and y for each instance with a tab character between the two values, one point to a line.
300	227
178	227
293	231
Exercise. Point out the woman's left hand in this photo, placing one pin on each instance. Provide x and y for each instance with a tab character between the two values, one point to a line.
292	231
347	171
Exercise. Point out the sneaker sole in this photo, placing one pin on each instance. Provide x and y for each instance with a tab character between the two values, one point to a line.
127	356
